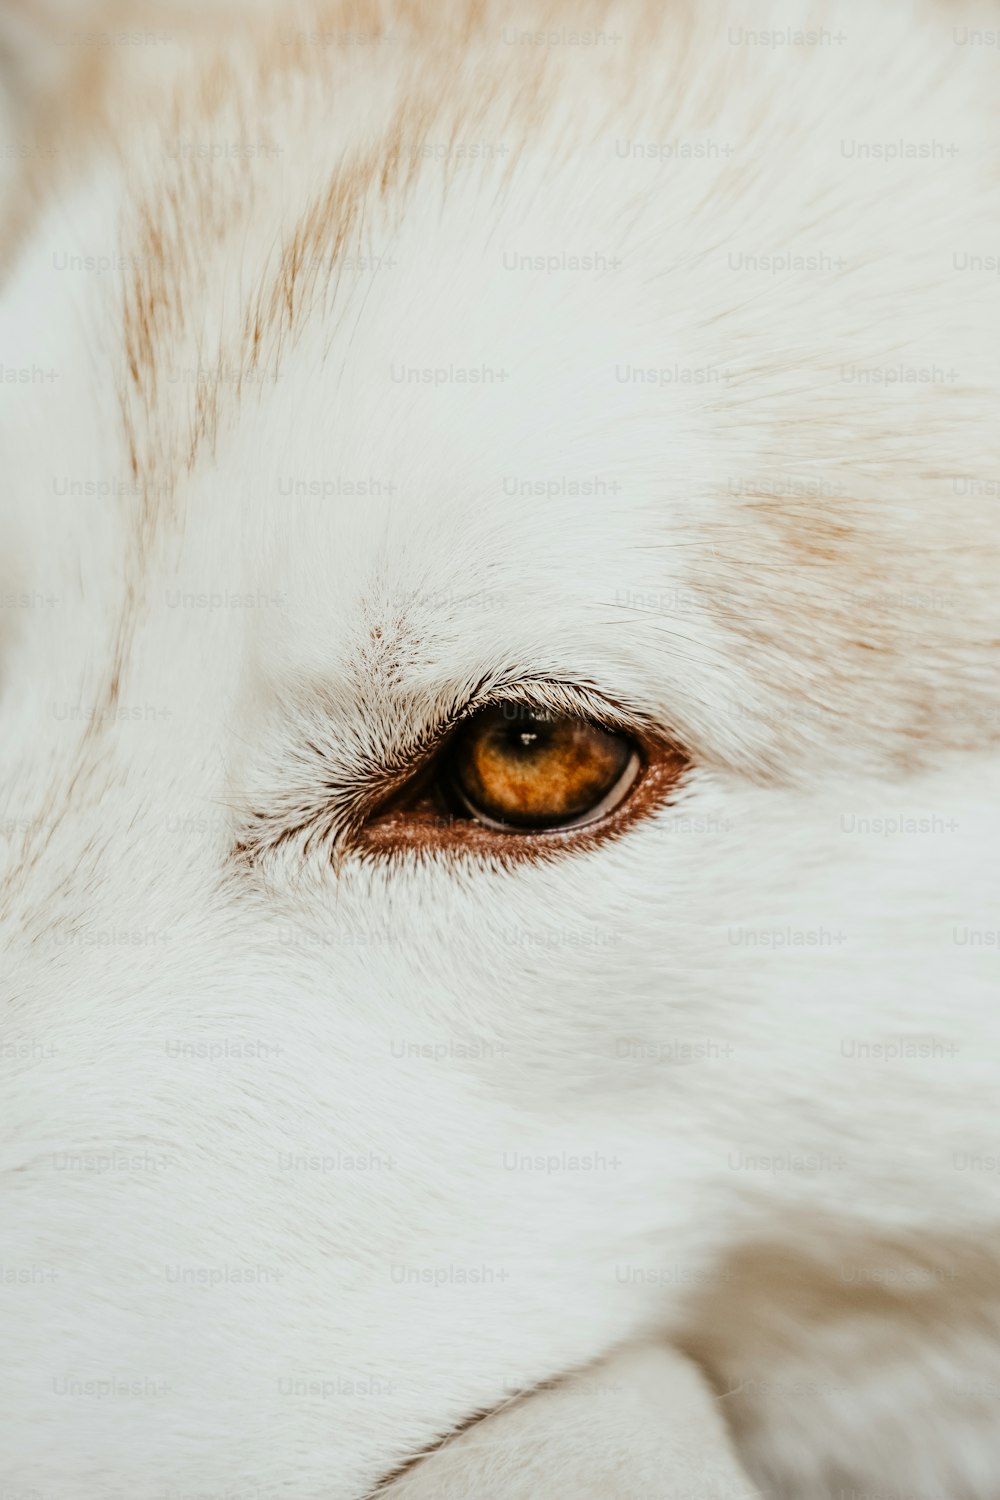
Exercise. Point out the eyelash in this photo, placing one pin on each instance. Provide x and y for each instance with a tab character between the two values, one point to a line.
544	695
395	826
366	831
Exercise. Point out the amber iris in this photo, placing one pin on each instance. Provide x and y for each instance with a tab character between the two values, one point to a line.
521	768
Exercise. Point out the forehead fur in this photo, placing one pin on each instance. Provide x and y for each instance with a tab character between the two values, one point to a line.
813	504
322	143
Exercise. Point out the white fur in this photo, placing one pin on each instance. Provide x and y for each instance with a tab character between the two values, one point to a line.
823	659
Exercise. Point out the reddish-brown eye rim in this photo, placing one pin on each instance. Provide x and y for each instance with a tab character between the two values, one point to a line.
420	818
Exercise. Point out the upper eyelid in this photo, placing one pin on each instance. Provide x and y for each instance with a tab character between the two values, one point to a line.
554	694
547	693
337	812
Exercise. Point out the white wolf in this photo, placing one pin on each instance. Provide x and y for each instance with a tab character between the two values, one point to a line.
498	660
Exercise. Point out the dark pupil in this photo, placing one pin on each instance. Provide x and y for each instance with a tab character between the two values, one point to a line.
527	736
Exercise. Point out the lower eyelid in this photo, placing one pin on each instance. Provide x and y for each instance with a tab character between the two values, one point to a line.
424	826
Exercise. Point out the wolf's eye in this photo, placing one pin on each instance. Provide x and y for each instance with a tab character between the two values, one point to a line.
520	769
506	772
